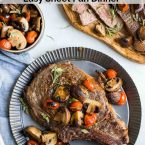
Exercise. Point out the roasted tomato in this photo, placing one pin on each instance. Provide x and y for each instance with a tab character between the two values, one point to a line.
89	84
123	97
31	142
31	37
61	94
90	119
123	7
50	104
76	106
5	44
4	19
111	73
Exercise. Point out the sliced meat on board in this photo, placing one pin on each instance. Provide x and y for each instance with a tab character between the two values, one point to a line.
104	13
86	15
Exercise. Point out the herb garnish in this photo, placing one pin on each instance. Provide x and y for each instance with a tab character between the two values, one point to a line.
45	116
56	73
113	12
24	105
112	31
85	131
138	19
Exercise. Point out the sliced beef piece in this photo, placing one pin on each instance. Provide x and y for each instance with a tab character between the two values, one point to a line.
103	11
109	129
86	15
79	8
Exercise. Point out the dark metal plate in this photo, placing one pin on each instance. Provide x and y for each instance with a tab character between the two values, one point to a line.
88	60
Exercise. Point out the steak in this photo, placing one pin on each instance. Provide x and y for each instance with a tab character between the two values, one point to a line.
108	129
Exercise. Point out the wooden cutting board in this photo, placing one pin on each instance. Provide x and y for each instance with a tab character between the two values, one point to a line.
129	53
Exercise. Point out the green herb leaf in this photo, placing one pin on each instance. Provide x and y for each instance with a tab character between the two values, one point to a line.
56	73
112	31
24	106
45	116
113	12
85	131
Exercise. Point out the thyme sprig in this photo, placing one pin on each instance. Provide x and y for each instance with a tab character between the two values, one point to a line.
56	73
24	105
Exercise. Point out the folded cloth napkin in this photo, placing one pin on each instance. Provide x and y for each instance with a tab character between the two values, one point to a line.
11	66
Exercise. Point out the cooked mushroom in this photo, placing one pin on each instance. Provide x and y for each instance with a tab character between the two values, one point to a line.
49	138
25	9
38	24
5	8
139	45
141	33
24	24
34	13
79	92
126	41
34	133
5	30
113	84
92	106
17	39
113	97
100	29
77	118
63	116
61	94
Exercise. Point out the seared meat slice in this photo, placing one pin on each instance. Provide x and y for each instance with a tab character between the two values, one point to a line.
103	11
86	15
108	129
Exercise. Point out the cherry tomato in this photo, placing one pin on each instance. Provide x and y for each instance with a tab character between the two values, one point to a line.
50	104
123	97
111	73
5	44
31	142
89	84
90	119
60	143
31	37
123	7
4	19
76	106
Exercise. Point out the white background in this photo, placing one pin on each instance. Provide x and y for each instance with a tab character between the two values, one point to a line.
64	35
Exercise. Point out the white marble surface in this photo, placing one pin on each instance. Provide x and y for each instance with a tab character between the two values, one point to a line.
64	35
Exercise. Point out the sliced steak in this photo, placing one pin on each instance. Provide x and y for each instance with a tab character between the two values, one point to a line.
108	130
86	15
103	11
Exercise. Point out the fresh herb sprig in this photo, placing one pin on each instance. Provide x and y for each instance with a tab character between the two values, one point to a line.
24	105
139	19
112	31
45	116
113	12
56	73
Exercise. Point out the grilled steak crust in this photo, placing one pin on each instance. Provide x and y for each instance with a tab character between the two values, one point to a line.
108	130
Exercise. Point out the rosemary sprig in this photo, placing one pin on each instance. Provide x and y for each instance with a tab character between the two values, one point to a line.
56	73
112	31
24	105
113	12
45	116
139	19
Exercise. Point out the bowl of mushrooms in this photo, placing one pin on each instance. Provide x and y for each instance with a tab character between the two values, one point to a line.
21	27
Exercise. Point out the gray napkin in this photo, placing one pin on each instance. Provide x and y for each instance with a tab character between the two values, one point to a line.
11	66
